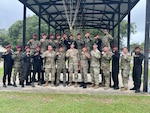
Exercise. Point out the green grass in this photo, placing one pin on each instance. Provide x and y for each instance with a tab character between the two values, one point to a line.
69	103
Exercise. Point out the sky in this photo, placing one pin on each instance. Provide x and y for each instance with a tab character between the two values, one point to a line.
12	10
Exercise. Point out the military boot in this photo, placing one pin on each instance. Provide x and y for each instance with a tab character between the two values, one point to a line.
92	85
52	84
46	84
14	84
85	85
70	84
124	89
106	88
64	84
76	84
96	87
32	84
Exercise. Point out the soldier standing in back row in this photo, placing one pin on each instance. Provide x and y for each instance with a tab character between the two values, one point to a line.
8	63
73	55
17	65
33	43
57	42
44	43
95	66
80	42
106	40
51	41
61	65
84	66
49	65
125	68
105	66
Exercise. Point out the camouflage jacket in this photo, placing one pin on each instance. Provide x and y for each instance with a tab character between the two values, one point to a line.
84	60
125	61
61	59
17	59
106	40
95	56
44	45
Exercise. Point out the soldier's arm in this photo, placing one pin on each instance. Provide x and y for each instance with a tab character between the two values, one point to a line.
29	42
4	55
14	56
97	55
110	37
67	54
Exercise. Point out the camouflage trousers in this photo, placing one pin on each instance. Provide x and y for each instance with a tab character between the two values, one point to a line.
84	71
106	74
59	70
17	71
50	71
94	71
125	77
73	68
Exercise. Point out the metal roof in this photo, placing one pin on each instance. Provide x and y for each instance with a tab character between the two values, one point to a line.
92	13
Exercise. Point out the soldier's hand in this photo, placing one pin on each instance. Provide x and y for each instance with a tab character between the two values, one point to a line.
103	53
57	53
30	41
36	54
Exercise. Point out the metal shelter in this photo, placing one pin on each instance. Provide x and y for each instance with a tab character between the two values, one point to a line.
98	14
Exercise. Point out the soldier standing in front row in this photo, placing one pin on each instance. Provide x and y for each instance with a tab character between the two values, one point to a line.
125	68
84	56
26	65
49	65
95	66
17	65
61	65
37	66
105	66
73	55
8	63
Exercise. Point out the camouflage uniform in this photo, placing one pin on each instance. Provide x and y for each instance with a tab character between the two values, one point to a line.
125	68
106	40
57	43
80	43
51	42
61	66
95	66
84	67
73	56
33	44
44	45
49	65
88	42
17	65
105	66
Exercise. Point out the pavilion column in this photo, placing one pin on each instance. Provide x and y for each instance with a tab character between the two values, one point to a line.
129	26
39	25
119	27
146	46
24	26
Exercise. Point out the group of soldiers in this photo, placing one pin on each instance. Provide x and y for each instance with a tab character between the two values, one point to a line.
78	54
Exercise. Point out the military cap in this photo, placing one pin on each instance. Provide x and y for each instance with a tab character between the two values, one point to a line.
51	34
78	34
38	47
8	46
34	34
27	47
115	46
18	47
137	47
57	35
44	34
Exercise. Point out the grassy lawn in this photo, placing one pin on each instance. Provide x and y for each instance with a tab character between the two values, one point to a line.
69	103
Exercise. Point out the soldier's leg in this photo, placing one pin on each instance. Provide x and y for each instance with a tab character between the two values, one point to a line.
138	77
19	75
58	76
9	76
47	72
4	78
70	74
76	74
64	76
52	76
92	77
107	78
82	77
16	70
96	77
125	76
85	70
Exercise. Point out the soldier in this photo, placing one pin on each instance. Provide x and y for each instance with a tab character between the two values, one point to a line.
70	41
137	69
61	65
95	66
17	65
51	41
80	42
65	40
88	42
37	66
115	67
125	68
58	42
44	43
26	65
73	55
84	66
106	40
33	43
8	63
98	41
49	65
105	66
